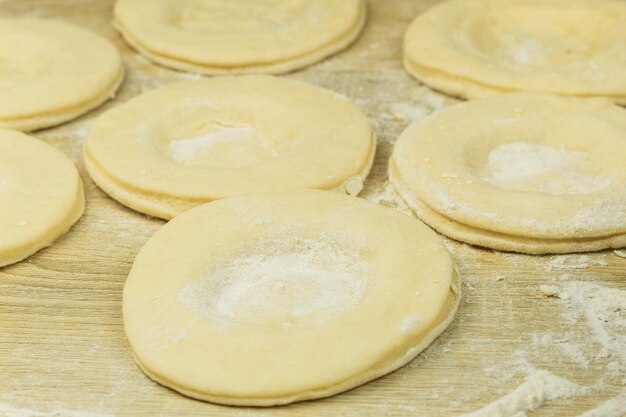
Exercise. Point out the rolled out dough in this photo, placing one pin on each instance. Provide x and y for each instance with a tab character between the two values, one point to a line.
52	71
243	36
521	172
188	143
41	195
475	48
268	299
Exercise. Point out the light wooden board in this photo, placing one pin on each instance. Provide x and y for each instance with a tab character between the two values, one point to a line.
62	345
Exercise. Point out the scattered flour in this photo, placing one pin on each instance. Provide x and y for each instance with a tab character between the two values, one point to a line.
540	386
574	262
77	130
390	111
389	197
142	75
407	112
612	408
604	310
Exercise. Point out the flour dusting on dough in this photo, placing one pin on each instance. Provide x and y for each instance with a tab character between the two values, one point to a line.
534	167
309	278
185	150
224	146
409	324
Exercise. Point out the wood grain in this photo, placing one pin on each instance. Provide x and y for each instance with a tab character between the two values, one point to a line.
62	345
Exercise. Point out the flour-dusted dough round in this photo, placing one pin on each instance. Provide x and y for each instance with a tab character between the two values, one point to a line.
52	72
474	48
239	36
520	172
188	143
41	195
273	298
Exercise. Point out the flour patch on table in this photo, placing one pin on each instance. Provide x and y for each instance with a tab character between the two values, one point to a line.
539	387
560	262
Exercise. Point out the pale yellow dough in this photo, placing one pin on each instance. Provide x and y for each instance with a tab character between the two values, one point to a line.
242	36
52	71
273	298
519	172
41	195
475	48
189	143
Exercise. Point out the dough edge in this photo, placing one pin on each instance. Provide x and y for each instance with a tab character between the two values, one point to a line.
499	241
280	67
53	234
35	122
470	89
166	207
441	322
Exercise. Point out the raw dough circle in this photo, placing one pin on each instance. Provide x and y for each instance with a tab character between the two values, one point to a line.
41	195
268	299
473	48
52	72
250	36
521	172
188	143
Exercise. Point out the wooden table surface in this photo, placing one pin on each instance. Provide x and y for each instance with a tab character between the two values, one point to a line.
62	346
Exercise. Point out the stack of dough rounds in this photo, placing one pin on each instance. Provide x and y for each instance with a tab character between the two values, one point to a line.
52	72
520	172
268	299
189	143
475	48
41	195
242	36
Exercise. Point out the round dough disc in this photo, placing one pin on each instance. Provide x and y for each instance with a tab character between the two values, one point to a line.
474	48
273	298
52	72
250	36
188	143
41	195
521	172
